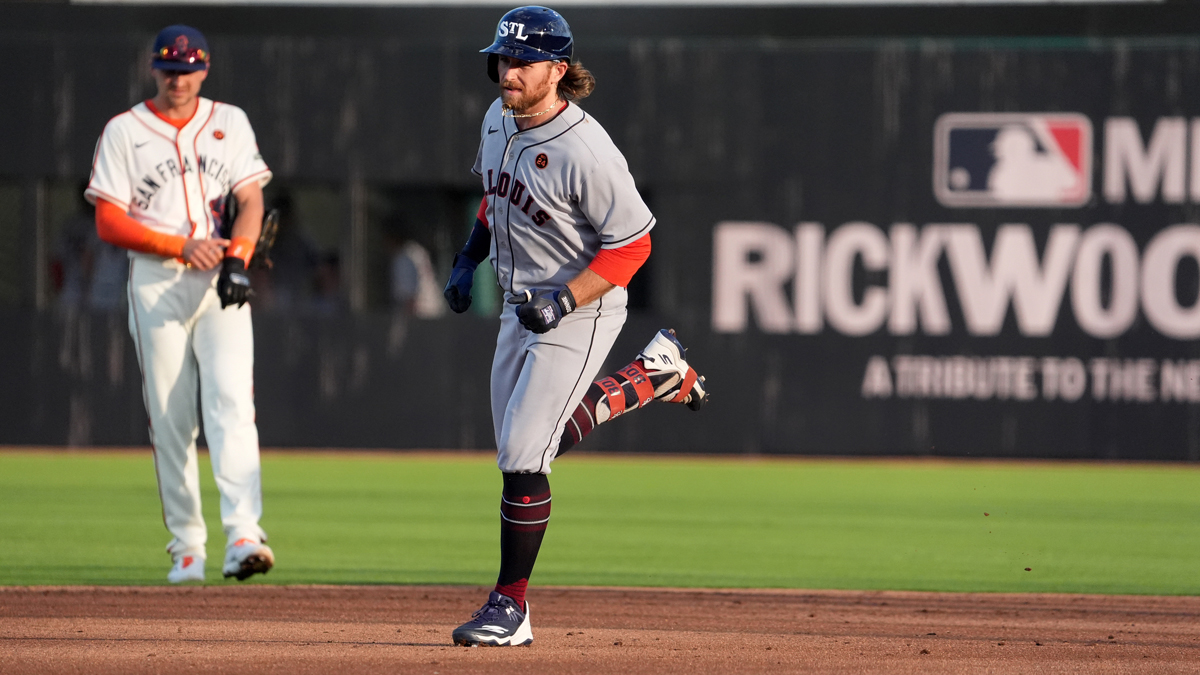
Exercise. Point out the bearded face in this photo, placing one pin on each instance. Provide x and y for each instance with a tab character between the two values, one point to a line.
524	86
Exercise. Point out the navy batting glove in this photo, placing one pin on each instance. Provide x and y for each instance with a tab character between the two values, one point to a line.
233	286
458	289
541	309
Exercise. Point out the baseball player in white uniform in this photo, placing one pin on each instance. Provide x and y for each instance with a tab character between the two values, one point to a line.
565	230
162	177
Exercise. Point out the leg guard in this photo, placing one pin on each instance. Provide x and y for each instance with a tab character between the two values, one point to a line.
660	372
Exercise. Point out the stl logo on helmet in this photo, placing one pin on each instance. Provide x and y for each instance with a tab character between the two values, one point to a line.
517	30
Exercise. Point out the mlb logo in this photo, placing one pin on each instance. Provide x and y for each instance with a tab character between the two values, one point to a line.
1012	159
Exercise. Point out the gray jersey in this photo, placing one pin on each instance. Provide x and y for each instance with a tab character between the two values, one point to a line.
557	194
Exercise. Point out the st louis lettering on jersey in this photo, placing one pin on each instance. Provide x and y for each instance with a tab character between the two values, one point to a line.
515	193
557	194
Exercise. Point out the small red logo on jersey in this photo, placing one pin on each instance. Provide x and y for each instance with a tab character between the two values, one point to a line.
218	134
541	161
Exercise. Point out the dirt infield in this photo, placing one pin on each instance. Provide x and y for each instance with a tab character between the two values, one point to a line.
398	629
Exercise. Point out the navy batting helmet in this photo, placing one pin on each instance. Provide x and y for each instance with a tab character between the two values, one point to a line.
530	34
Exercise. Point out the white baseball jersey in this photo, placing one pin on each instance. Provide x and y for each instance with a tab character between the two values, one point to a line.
193	354
177	182
557	194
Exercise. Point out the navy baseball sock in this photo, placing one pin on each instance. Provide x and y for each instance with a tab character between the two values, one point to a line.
609	397
524	514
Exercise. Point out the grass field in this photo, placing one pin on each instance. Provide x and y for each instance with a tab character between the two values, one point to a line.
93	518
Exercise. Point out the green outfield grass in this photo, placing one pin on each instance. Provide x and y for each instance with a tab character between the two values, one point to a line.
94	518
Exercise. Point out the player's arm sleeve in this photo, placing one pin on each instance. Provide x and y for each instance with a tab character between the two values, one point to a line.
610	201
479	244
115	226
247	163
618	265
110	178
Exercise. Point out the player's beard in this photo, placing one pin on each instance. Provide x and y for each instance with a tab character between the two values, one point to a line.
522	102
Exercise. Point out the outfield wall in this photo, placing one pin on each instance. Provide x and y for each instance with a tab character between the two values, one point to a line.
898	245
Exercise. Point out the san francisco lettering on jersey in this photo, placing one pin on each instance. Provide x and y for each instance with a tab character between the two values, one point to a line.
168	170
177	178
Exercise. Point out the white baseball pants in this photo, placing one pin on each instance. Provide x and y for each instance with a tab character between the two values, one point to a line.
538	380
189	347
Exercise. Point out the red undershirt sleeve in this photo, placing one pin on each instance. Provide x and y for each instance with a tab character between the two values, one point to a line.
618	265
117	228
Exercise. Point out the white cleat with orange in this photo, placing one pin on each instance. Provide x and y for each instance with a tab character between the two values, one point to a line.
247	557
188	567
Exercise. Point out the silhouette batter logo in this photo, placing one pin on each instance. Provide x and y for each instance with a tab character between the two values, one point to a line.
1012	160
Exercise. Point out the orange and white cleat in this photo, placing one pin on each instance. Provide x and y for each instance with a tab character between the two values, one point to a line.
187	567
246	557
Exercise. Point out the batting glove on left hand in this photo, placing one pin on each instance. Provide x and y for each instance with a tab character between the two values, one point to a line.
458	289
233	286
541	309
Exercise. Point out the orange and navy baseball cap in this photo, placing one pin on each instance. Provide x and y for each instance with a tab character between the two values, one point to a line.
180	47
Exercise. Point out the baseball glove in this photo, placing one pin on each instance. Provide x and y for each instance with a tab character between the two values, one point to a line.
261	260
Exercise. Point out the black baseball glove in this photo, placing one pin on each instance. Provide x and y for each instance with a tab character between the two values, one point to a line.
261	260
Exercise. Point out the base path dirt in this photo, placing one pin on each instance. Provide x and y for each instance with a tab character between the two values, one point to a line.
406	629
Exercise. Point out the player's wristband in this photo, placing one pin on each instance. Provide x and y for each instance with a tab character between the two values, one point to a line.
479	244
565	300
241	248
462	261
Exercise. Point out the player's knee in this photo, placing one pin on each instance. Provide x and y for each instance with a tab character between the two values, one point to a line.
233	403
510	463
519	485
520	457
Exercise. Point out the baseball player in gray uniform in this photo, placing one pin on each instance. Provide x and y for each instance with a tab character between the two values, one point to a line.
565	230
